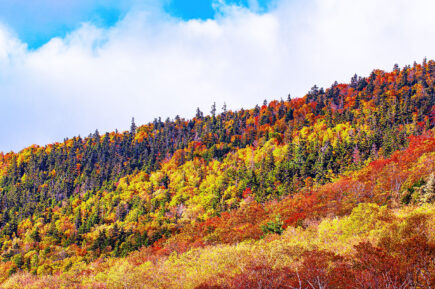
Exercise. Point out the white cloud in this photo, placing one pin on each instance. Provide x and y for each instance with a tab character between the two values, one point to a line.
152	65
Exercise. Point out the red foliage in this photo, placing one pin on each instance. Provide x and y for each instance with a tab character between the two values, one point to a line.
247	192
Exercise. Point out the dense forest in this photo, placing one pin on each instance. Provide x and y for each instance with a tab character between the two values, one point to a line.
335	189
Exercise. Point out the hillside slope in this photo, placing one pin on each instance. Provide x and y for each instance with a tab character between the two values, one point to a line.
171	196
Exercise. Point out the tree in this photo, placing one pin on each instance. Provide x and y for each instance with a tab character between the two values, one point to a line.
274	227
199	114
35	235
224	109
428	195
213	110
133	127
101	242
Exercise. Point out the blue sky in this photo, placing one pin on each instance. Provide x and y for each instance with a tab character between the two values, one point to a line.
68	67
37	21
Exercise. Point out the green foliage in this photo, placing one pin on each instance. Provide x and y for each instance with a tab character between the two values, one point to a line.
18	260
274	227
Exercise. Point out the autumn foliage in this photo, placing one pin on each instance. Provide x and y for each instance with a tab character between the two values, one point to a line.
332	190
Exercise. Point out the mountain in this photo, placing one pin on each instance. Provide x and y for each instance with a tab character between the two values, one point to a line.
332	190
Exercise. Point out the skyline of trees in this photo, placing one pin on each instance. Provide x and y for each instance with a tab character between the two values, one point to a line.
252	174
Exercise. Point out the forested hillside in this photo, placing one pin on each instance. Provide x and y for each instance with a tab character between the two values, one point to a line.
332	188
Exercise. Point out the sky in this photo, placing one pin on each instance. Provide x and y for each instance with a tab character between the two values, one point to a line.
68	67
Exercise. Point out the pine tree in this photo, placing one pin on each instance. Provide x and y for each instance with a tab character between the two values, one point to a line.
133	127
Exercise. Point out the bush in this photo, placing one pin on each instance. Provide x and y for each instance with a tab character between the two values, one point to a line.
274	227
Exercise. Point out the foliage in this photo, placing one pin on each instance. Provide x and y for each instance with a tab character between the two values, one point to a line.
302	193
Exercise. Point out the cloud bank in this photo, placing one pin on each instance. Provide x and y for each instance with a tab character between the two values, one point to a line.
151	64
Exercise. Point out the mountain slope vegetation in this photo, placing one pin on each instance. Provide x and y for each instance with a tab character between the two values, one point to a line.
330	190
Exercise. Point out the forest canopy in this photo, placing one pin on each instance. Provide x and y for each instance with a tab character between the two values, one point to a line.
350	165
